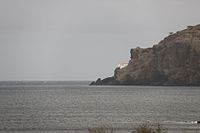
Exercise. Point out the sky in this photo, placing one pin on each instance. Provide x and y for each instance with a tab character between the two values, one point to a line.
82	39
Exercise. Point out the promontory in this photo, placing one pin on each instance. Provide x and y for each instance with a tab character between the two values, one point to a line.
173	61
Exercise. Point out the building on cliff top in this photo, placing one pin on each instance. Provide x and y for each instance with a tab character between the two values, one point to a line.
122	65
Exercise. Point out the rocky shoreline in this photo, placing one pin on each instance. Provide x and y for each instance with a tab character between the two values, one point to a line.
174	61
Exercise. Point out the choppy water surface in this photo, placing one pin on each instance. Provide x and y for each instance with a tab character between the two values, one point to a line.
59	108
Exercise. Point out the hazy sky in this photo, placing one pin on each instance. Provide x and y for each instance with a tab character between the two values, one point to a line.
82	39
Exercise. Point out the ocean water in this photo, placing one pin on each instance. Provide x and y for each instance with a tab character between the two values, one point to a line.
60	108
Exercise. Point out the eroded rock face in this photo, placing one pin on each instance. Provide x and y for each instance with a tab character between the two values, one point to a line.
174	61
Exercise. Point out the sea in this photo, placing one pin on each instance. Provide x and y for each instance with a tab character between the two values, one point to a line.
75	107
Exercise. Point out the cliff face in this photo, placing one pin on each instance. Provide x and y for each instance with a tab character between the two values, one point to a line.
174	61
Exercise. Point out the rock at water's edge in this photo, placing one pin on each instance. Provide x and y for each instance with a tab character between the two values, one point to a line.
106	81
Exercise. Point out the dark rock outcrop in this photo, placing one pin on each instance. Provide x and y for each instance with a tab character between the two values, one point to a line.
106	81
174	61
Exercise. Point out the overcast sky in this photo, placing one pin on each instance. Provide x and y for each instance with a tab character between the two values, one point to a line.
82	39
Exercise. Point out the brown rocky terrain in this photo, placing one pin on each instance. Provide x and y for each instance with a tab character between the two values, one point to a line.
173	61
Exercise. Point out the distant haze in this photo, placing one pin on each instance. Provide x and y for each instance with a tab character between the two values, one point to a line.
82	39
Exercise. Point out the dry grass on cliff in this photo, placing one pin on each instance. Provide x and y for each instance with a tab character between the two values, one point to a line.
102	129
143	128
149	128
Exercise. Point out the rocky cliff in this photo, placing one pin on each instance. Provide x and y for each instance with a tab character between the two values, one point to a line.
173	61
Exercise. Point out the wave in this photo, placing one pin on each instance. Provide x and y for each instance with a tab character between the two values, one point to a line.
183	122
